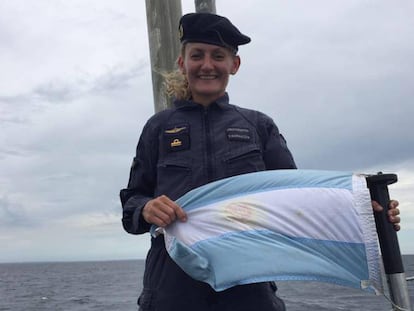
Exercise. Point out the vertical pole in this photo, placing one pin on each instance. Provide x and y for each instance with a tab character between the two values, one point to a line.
162	22
390	249
205	6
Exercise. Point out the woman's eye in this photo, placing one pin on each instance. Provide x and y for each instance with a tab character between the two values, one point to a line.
195	56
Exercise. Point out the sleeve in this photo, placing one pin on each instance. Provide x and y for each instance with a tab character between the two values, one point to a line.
141	184
276	154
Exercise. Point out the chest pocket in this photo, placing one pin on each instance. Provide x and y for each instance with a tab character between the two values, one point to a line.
244	160
173	177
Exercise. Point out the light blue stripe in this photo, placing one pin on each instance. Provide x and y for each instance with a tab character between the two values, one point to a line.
261	182
257	256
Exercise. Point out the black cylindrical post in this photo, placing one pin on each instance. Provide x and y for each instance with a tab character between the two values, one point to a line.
390	248
378	187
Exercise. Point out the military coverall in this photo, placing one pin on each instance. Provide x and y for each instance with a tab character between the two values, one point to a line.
180	149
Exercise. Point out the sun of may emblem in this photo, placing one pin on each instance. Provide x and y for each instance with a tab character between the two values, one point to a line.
240	211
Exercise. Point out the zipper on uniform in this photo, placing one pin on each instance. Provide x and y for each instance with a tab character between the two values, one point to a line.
208	154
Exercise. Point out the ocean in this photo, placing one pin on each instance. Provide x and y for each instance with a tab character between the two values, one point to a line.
115	286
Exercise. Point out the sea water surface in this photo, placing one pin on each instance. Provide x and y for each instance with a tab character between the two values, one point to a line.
115	286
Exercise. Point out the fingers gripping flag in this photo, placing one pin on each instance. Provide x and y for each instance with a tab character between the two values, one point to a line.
279	225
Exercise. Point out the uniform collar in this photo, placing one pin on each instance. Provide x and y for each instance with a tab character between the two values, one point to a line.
222	102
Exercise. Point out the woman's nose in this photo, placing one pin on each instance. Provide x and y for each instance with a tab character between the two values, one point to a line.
207	63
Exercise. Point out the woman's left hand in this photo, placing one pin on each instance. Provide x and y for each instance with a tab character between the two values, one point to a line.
393	212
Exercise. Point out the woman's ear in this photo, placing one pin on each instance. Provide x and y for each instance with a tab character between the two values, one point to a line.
236	64
180	63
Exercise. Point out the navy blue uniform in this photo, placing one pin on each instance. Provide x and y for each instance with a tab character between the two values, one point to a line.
183	148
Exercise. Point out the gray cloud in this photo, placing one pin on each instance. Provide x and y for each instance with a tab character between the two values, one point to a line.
13	215
62	91
4	152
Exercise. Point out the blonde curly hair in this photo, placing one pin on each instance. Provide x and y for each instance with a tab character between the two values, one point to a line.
176	84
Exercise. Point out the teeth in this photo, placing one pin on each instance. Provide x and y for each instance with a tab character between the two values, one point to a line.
207	77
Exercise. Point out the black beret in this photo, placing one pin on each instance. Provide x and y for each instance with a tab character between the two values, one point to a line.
211	29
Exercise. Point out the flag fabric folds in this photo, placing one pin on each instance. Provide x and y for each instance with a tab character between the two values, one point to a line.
279	225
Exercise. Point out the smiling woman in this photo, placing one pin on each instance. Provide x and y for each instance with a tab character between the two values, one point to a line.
207	68
202	139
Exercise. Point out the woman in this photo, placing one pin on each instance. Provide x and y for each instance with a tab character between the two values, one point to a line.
202	139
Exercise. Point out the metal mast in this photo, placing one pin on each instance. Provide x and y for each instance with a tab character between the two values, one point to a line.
162	20
206	6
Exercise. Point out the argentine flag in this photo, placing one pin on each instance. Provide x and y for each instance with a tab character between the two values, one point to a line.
279	225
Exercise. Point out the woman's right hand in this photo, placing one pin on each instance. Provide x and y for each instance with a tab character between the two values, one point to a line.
162	211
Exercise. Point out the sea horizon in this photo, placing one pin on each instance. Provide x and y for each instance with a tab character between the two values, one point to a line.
88	260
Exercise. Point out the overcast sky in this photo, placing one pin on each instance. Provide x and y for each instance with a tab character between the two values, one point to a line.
336	76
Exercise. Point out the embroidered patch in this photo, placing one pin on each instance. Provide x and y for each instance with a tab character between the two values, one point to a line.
238	134
175	130
176	138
